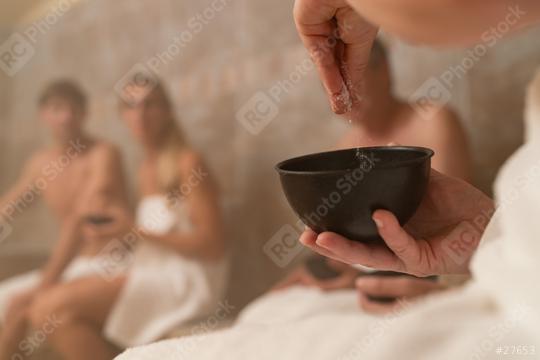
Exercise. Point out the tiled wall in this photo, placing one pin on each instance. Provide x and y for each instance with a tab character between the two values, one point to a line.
250	45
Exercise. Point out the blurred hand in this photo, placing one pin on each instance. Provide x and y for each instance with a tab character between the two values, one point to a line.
339	42
400	287
440	238
121	222
302	277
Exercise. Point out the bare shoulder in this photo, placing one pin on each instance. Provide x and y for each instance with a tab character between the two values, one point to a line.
190	160
445	134
193	167
444	118
39	160
440	122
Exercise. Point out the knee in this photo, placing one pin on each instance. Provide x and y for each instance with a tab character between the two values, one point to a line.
16	310
49	310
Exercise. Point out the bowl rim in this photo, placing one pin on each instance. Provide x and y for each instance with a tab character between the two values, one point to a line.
427	154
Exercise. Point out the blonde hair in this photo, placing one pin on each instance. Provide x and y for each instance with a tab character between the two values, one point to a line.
174	141
168	158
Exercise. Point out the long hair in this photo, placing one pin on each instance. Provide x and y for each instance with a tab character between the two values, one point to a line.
173	139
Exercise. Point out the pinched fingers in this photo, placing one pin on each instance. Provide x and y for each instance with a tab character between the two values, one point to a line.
339	42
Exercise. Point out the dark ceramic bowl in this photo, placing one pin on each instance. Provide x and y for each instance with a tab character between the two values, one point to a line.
339	190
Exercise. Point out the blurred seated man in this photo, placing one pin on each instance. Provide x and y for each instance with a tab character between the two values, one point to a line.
388	120
80	179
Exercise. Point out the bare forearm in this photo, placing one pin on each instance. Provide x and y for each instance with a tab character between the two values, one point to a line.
63	253
449	22
12	203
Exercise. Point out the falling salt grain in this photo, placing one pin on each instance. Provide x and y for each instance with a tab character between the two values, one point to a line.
344	97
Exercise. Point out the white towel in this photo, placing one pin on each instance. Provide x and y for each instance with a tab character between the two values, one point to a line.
163	289
497	312
79	268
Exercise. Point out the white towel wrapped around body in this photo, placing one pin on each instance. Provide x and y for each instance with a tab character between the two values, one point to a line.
164	289
80	267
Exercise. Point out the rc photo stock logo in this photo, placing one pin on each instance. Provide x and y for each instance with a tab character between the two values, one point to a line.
15	53
19	48
434	94
262	108
114	258
284	246
257	113
430	98
136	84
5	229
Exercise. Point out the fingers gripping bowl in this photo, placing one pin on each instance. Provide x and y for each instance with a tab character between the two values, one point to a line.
338	191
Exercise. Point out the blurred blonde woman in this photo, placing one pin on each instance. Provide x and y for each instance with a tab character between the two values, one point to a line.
178	267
